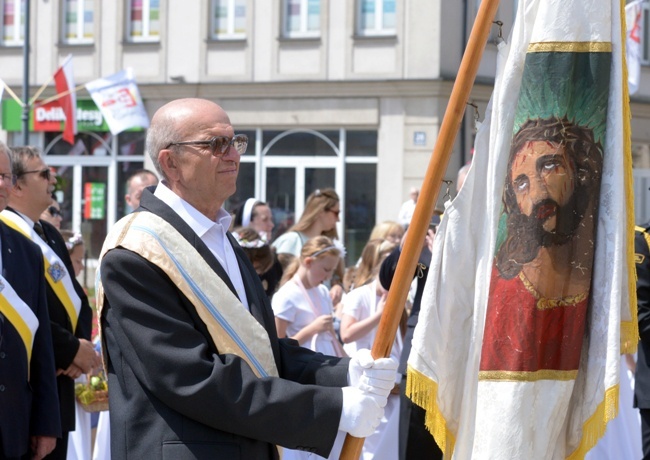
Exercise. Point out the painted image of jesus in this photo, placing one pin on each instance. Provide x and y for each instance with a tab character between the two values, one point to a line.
541	276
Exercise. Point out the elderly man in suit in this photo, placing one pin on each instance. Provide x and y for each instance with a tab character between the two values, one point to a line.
70	313
29	404
195	367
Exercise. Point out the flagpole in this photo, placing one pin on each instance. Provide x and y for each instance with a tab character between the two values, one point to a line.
428	195
60	95
40	90
25	117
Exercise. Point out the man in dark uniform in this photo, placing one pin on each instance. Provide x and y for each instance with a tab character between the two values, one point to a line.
29	424
70	313
642	377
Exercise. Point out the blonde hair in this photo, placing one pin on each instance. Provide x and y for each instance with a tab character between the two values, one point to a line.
385	228
372	256
315	248
319	201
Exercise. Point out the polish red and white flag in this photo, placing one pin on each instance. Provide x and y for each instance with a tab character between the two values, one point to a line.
64	82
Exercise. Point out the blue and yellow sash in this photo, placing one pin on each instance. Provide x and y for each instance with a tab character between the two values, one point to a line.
55	272
232	328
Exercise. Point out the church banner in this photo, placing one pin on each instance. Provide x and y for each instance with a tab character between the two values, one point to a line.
531	297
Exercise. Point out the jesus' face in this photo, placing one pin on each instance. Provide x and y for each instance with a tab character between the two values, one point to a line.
544	182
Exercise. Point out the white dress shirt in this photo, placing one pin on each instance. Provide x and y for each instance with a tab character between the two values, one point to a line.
213	234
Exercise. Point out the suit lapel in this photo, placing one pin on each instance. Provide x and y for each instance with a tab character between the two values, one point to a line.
247	272
152	204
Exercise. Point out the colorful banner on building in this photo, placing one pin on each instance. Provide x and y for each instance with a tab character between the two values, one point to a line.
530	299
64	82
94	200
118	97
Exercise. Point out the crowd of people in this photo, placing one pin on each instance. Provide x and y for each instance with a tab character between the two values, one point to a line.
218	342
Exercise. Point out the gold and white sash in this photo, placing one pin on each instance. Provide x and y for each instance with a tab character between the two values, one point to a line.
232	328
21	317
55	272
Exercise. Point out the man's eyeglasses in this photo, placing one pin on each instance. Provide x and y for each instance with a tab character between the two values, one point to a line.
219	145
54	212
8	178
44	173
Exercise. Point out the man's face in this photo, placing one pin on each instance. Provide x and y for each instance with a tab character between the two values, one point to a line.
36	188
206	179
136	186
5	185
544	183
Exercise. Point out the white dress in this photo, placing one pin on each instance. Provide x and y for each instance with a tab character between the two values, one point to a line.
289	303
360	303
79	440
622	440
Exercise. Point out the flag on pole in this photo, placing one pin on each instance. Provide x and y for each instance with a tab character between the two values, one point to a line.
119	100
64	83
531	299
634	21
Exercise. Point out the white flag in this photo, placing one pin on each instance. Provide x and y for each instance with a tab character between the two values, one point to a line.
531	294
119	100
634	21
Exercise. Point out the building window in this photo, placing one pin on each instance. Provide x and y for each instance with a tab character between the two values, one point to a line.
78	21
144	20
301	18
377	17
13	22
228	19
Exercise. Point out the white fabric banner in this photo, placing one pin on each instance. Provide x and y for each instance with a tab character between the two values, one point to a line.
634	34
118	98
527	305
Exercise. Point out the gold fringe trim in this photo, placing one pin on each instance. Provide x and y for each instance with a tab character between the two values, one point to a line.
595	426
629	329
570	47
528	376
424	392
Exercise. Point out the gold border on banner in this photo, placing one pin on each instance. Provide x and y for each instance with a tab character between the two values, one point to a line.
528	376
570	47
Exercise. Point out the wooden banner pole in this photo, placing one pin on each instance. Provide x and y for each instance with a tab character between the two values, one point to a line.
428	196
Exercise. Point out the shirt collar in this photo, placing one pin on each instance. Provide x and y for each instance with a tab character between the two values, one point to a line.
192	217
25	218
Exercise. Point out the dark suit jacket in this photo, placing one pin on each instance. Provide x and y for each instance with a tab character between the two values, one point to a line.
642	377
172	395
26	408
386	273
64	339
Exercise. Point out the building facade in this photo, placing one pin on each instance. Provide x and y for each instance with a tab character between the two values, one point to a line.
347	94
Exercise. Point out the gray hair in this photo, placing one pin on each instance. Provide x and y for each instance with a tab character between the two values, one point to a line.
4	149
160	134
19	156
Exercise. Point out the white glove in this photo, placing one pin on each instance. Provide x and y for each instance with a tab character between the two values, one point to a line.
361	414
372	376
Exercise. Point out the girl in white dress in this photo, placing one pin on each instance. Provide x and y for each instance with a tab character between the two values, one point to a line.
303	311
362	309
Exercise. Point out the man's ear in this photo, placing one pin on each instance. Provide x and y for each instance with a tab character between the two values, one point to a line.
169	164
17	190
